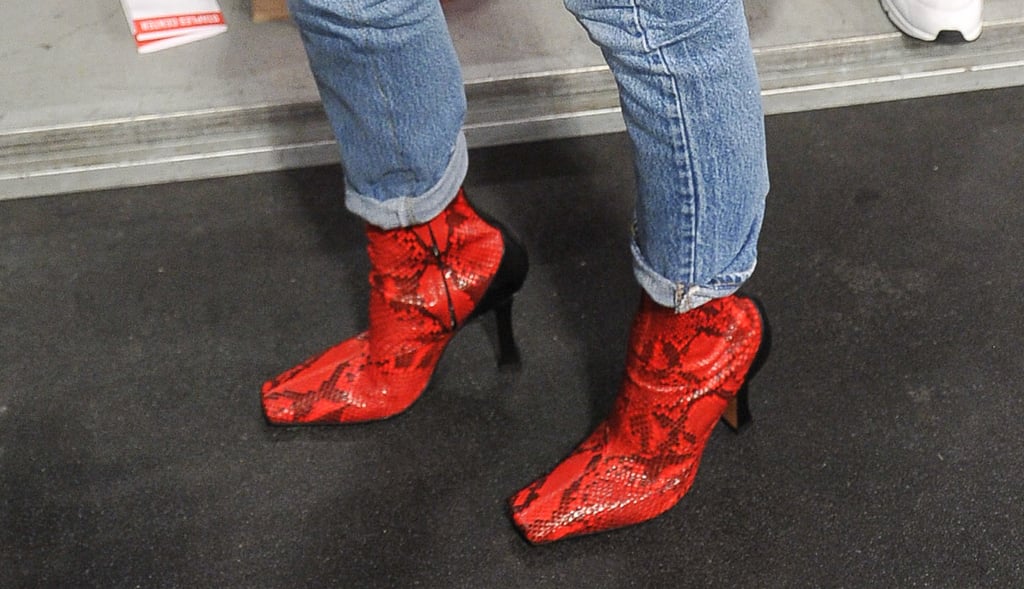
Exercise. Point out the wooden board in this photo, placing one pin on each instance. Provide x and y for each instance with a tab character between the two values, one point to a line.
264	10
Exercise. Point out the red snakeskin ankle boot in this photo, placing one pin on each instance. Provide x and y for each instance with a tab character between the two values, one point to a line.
426	282
683	373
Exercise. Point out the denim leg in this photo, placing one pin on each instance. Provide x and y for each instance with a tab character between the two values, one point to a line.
691	101
391	85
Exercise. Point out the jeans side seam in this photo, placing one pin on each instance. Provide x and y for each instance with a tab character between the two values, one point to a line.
684	296
681	147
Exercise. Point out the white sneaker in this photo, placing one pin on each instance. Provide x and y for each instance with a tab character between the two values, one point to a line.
925	19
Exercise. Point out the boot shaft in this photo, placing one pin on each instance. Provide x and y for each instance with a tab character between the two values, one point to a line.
430	276
683	369
669	350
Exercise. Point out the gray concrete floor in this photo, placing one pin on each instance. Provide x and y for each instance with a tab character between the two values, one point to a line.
139	323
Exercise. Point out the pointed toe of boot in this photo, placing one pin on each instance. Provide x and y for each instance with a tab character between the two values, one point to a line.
532	519
317	390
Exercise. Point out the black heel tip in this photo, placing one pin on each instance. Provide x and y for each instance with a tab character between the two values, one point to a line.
508	352
740	427
737	413
510	362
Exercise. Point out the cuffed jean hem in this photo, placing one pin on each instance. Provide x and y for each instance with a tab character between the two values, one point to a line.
680	296
405	211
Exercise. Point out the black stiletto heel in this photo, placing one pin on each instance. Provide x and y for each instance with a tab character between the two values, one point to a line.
499	296
508	351
737	413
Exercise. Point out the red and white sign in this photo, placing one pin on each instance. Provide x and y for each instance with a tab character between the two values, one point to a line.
159	24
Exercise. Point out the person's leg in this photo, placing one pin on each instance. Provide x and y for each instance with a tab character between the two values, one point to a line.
390	83
392	88
691	101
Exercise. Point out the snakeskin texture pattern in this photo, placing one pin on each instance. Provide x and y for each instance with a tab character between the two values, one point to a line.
682	371
425	281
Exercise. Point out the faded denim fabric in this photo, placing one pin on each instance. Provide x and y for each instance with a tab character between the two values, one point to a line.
691	100
391	85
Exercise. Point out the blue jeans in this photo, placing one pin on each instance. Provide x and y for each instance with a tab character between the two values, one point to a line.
391	85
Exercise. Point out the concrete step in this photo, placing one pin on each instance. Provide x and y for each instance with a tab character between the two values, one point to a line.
83	111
